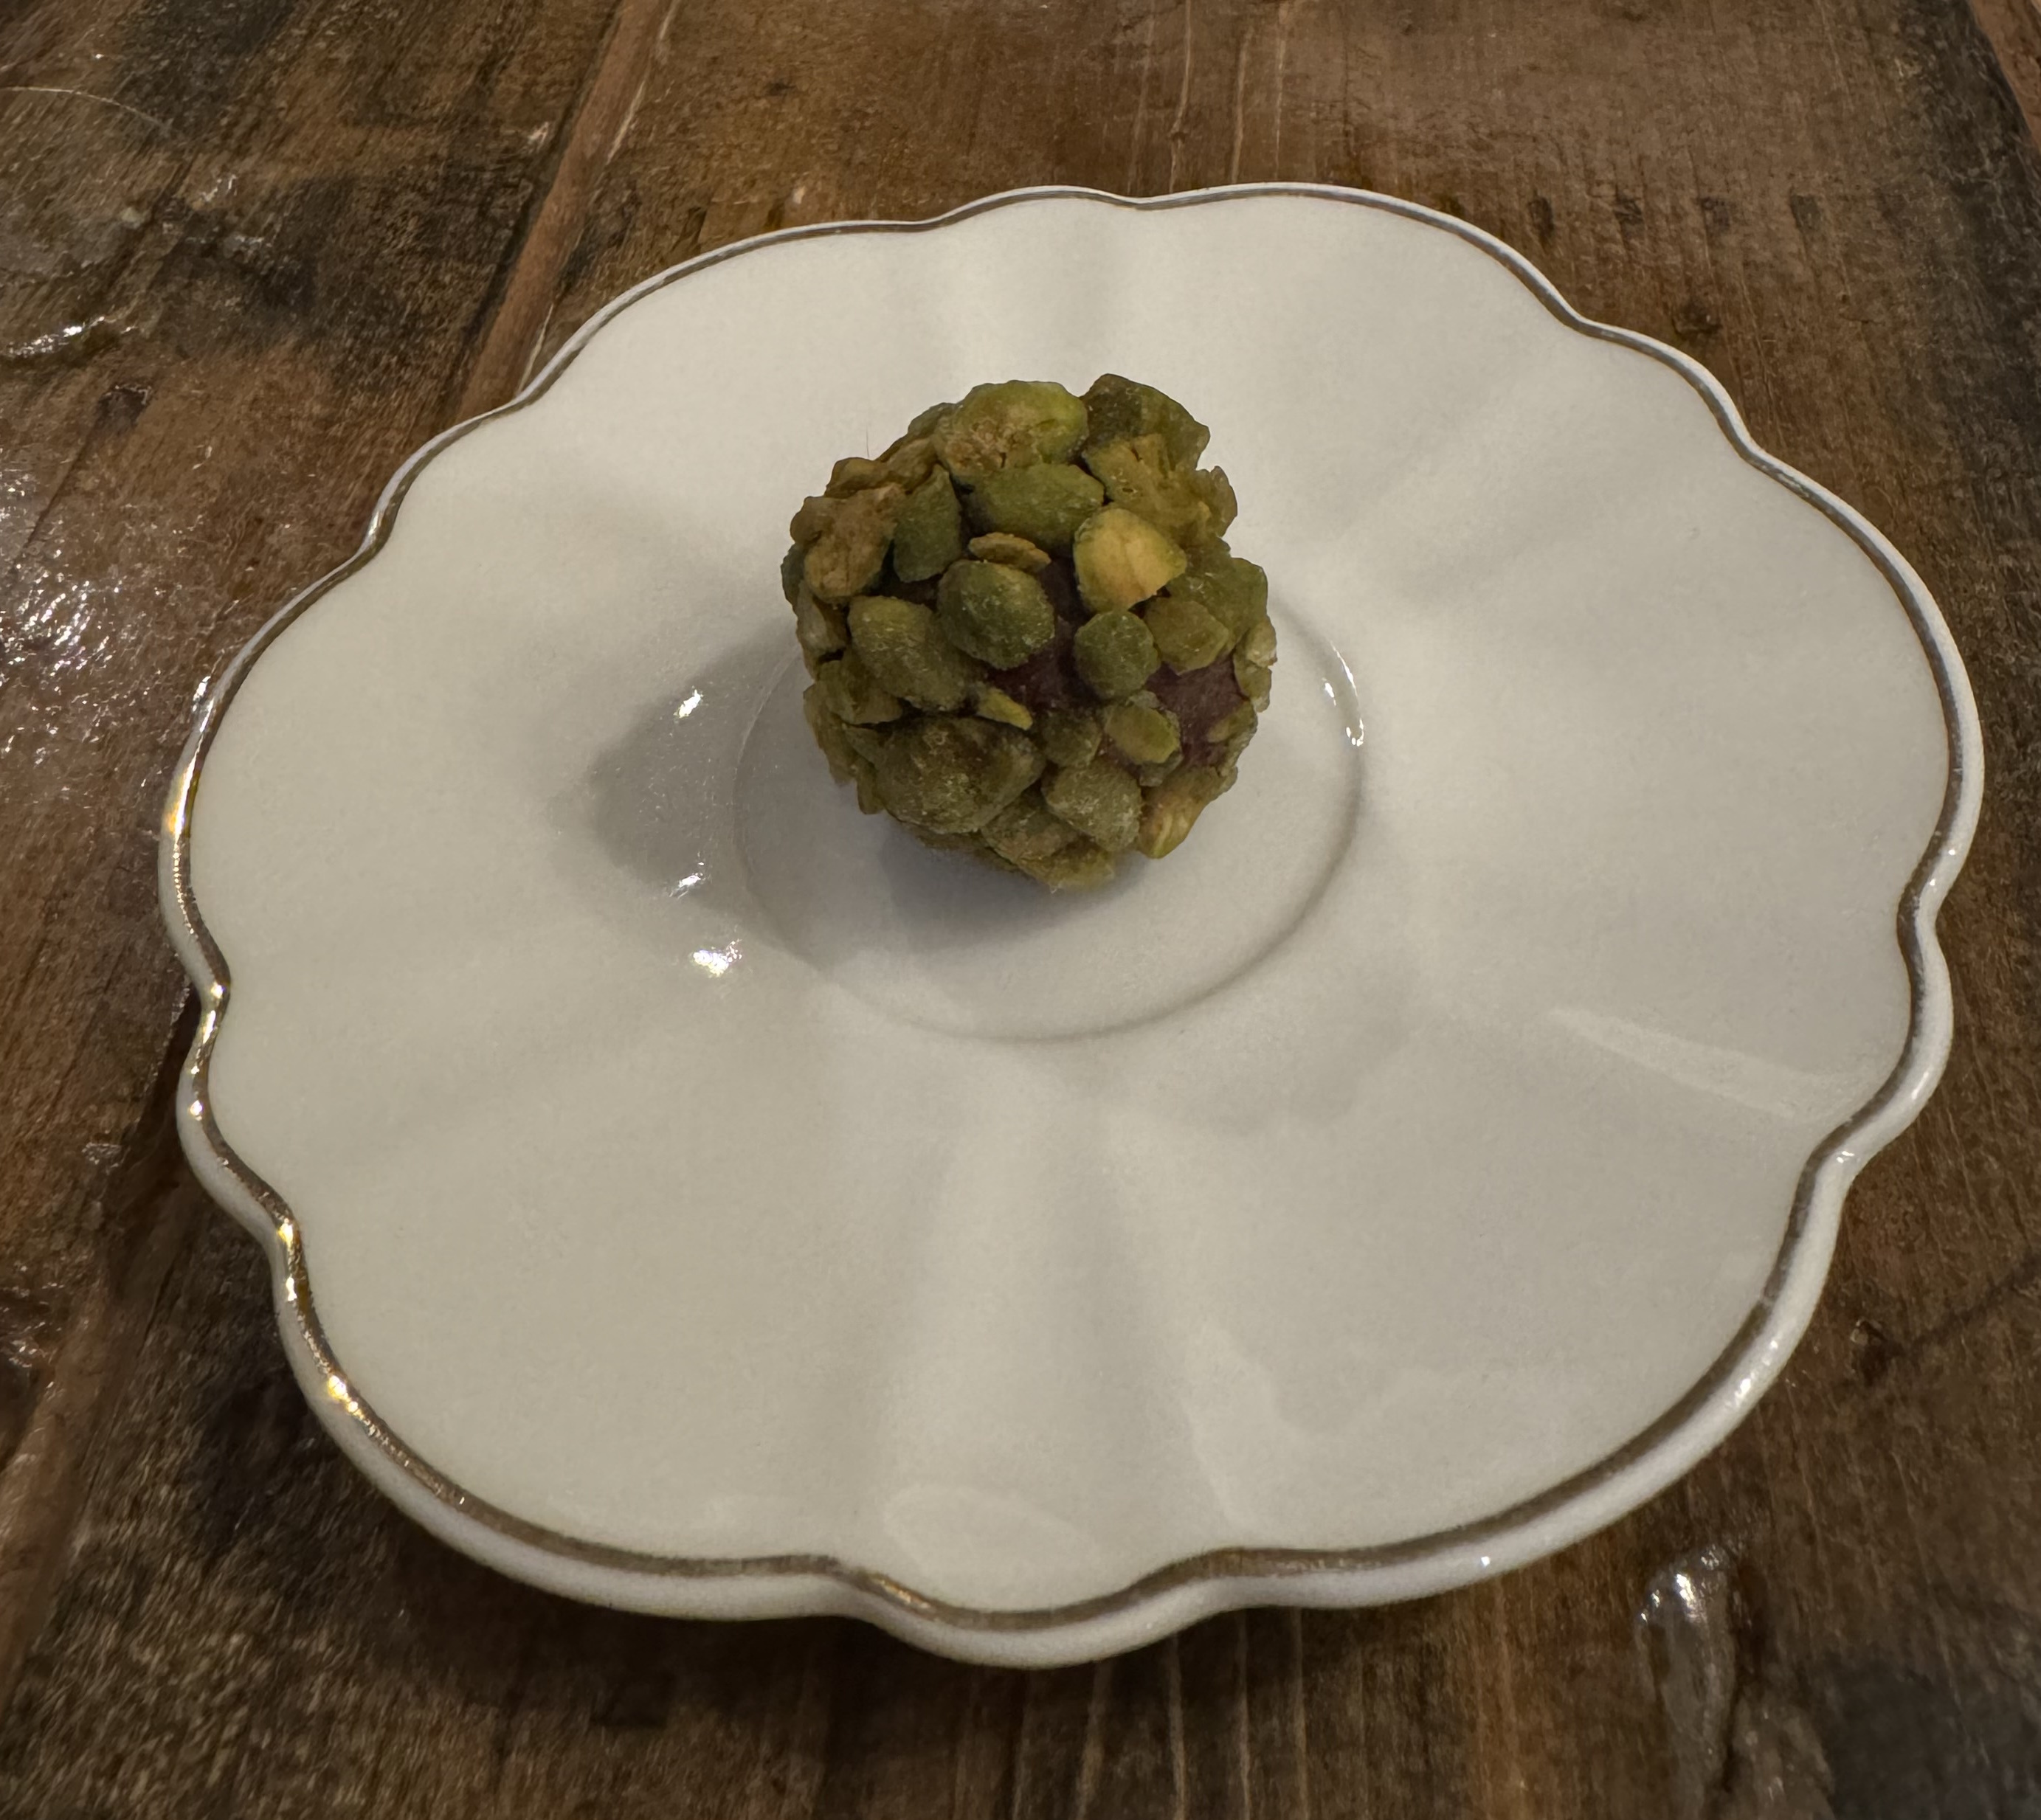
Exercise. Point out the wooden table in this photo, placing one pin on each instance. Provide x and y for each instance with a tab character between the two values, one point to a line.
252	251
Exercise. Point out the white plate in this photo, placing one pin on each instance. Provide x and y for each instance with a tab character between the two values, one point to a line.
718	1204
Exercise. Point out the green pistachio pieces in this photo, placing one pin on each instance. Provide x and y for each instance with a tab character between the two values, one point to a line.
1187	636
864	774
1137	475
819	628
849	549
1100	801
1010	424
996	705
867	742
925	424
854	694
1145	447
1254	678
1121	560
951	775
1257	644
1069	736
905	651
930	536
853	474
1142	731
1026	833
829	732
1174	806
1211	486
998	614
909	463
1238	724
1235	592
1028	640
1044	503
1028	837
1015	552
1082	865
1118	410
1116	655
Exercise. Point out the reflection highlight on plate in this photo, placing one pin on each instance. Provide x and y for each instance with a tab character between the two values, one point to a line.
1790	1094
717	961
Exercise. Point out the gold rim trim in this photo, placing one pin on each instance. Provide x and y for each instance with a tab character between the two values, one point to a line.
1744	1367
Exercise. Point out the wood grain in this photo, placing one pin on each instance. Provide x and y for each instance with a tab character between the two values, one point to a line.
349	230
243	247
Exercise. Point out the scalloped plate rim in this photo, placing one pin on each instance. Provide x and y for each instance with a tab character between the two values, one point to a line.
1180	1594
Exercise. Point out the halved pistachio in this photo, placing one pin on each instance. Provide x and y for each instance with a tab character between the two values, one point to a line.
850	551
1187	636
1239	725
1116	654
829	732
905	651
864	774
1011	424
1174	806
1070	737
817	512
1082	865
1141	731
952	842
1044	503
929	535
1026	833
993	704
1211	486
1118	409
1254	680
953	774
818	628
1122	560
1233	591
1100	801
867	742
1027	837
910	461
1015	552
907	463
925	424
999	615
853	474
854	694
1138	475
1257	644
1229	763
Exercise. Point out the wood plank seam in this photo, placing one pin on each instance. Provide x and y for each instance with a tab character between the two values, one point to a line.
601	120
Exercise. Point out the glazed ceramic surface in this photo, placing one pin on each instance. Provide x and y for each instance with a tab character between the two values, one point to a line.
688	1193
